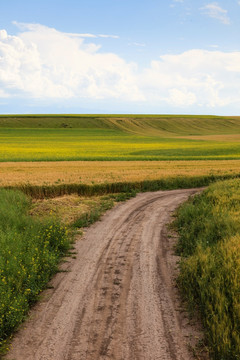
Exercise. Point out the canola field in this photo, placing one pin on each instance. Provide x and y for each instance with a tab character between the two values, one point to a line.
119	138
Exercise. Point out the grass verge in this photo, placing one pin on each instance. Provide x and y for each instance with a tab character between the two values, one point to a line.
77	211
209	228
105	203
30	252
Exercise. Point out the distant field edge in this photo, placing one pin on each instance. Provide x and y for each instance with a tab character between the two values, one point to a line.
106	115
170	183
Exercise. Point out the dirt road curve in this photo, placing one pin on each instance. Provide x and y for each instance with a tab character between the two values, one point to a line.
118	300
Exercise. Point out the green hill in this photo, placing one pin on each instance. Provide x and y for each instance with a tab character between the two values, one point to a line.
118	137
164	125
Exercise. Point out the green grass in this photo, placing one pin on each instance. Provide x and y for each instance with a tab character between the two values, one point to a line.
108	137
30	252
209	227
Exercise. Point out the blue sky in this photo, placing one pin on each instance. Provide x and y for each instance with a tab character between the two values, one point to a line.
119	56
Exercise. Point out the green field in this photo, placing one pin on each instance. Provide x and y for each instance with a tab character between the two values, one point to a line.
112	137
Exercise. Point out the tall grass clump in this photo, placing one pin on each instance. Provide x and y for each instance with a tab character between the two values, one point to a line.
209	228
29	254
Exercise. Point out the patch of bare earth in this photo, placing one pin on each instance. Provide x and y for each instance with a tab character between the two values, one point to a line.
118	300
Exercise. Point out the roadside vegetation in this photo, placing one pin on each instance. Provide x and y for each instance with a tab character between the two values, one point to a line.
209	227
75	211
30	252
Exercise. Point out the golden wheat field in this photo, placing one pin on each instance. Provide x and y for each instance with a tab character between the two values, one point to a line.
94	172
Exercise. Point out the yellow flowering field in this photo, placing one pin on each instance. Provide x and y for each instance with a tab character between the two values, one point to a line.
115	137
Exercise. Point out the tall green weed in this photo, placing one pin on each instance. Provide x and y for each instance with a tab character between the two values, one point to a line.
29	254
209	228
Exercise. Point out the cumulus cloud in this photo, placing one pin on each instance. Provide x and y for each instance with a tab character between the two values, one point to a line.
44	63
200	77
215	11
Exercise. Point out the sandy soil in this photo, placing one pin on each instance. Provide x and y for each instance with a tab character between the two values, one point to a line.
118	299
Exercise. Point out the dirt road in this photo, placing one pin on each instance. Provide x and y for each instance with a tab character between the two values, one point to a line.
118	300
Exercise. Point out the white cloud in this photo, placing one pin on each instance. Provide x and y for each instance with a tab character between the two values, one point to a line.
33	27
215	11
181	97
108	36
195	77
44	63
92	35
3	34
